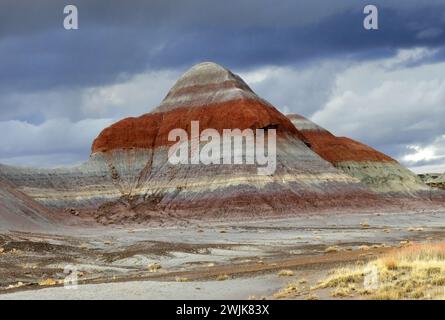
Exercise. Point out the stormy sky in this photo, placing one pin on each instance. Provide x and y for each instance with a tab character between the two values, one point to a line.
59	88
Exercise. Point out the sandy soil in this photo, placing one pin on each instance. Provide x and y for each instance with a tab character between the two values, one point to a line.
113	263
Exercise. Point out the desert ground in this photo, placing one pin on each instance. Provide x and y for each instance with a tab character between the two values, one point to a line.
255	259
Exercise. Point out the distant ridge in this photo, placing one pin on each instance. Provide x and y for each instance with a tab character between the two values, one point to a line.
376	170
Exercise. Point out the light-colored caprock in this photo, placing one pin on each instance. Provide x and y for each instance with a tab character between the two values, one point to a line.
304	124
206	84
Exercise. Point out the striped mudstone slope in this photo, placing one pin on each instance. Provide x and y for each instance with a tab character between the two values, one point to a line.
376	170
20	212
129	176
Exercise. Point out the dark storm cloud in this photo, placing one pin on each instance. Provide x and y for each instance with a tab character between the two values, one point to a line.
122	38
88	77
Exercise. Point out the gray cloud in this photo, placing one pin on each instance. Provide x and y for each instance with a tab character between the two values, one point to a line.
131	96
308	57
397	110
296	89
52	140
117	38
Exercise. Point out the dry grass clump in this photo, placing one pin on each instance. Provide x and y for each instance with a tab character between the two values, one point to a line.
154	267
405	243
414	272
365	225
291	290
342	277
84	246
343	292
332	249
311	296
285	273
415	229
48	282
222	277
390	263
257	298
180	279
418	252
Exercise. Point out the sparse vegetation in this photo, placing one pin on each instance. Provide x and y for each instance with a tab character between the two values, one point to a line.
343	292
413	272
154	267
405	243
291	290
222	277
365	225
342	277
286	273
48	282
415	229
257	298
84	246
180	279
332	249
311	296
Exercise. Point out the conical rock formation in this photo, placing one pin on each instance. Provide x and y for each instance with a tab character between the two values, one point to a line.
129	175
220	100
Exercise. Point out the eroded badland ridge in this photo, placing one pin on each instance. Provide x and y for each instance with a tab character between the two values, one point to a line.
128	177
